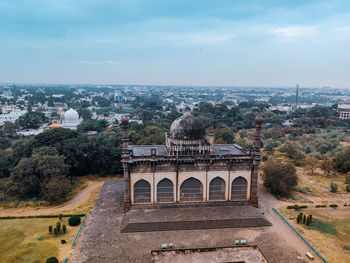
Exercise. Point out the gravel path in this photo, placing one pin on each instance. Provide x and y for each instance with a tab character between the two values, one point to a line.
66	207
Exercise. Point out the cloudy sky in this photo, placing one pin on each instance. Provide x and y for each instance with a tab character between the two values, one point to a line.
176	42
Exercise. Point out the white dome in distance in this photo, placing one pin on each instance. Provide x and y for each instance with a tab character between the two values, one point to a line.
71	115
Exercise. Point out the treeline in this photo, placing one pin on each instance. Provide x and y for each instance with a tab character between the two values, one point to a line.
44	166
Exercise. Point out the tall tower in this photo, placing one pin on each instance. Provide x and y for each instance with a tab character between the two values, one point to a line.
297	96
125	161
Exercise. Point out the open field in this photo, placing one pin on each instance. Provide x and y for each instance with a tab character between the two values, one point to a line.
320	183
29	241
329	233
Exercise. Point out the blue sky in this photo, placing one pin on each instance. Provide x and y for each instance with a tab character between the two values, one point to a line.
182	42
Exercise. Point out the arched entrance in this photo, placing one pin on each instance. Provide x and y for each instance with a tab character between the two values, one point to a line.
217	189
165	191
239	189
191	190
142	192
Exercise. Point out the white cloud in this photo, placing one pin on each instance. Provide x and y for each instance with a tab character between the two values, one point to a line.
295	32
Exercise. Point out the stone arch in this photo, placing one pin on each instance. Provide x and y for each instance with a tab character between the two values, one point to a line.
165	191
191	190
142	192
239	189
217	188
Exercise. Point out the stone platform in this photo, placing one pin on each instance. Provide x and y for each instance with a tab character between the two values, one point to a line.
103	240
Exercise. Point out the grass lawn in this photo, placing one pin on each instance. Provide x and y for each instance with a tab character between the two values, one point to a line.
319	183
329	232
29	240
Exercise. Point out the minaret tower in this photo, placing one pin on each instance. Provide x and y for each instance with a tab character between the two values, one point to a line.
256	162
125	161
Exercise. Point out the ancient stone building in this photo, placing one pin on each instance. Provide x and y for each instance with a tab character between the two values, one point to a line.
189	168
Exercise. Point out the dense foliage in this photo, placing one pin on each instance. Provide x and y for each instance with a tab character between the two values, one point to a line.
280	177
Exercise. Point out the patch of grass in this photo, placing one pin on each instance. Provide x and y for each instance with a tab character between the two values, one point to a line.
28	240
322	227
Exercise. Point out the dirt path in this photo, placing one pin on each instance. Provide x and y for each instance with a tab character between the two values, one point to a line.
266	202
78	200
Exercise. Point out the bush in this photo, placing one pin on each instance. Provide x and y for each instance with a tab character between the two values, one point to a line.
50	229
63	241
347	179
58	226
320	206
74	220
60	217
334	187
52	260
55	231
280	177
348	188
299	218
296	207
64	229
333	205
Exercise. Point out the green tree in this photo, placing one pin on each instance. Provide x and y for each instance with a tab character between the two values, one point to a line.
31	120
34	176
226	135
310	164
280	177
85	113
327	166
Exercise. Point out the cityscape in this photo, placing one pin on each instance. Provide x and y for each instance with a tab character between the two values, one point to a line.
152	131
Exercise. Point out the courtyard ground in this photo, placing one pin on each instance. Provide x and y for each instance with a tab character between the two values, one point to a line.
102	240
29	240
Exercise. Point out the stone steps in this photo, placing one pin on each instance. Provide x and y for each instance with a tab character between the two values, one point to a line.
195	225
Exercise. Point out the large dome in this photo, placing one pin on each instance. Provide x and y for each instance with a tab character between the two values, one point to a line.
187	127
71	115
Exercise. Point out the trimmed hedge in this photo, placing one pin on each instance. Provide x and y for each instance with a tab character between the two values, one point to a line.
52	260
296	206
39	216
74	220
321	206
333	205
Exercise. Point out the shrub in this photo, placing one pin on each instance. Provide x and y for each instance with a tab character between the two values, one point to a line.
348	188
308	221
280	177
333	205
300	216
55	231
64	229
304	219
296	207
74	220
58	226
310	218
347	179
63	241
52	260
320	206
50	229
334	187
60	217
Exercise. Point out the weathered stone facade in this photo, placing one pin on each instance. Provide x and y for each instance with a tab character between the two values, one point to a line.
189	168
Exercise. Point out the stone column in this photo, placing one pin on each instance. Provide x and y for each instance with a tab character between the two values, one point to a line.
125	161
256	163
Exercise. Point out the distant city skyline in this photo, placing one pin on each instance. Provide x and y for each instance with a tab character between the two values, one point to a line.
180	43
